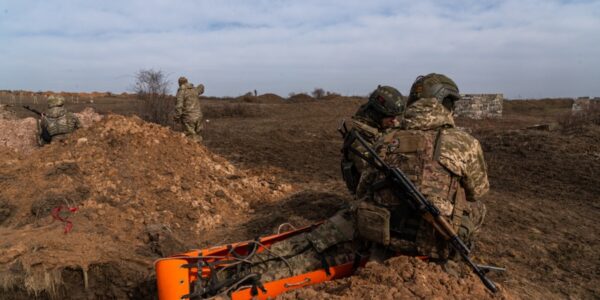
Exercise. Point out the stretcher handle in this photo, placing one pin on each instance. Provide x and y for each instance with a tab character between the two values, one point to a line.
303	282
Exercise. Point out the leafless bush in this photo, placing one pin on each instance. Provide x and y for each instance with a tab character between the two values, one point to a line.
152	87
318	93
580	119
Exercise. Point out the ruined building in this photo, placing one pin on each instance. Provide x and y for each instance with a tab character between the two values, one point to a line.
479	106
583	104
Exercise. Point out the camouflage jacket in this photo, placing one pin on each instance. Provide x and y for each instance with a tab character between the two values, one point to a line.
188	104
459	152
57	120
352	165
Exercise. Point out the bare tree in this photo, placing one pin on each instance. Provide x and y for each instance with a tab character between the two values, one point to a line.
152	87
318	93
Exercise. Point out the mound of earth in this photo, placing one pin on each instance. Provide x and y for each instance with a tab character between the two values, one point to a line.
301	98
270	98
401	278
6	113
20	134
126	192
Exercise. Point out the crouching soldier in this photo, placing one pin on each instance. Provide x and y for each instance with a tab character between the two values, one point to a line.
56	123
382	112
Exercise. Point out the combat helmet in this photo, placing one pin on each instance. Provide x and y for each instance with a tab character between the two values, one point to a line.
437	86
387	101
54	101
182	80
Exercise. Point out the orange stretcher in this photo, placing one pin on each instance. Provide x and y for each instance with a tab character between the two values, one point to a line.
176	275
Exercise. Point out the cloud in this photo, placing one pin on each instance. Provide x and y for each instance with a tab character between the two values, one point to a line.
527	48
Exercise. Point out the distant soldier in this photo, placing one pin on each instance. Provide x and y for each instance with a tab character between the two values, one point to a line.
56	123
187	108
371	120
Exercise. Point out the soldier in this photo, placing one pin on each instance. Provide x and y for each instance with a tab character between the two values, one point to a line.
56	123
187	108
371	120
445	164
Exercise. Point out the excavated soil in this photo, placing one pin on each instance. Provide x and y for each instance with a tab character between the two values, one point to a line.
143	191
20	134
138	191
402	278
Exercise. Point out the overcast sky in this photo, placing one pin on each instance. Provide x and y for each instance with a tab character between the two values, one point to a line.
524	48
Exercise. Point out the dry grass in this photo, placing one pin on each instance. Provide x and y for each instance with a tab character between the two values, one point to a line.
232	110
577	121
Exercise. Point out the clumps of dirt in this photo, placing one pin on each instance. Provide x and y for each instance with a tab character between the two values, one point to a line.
20	135
6	113
129	192
88	116
401	278
5	210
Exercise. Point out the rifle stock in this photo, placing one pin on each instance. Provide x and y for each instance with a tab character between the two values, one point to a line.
403	187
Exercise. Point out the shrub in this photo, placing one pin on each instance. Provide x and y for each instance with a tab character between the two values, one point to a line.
151	87
580	119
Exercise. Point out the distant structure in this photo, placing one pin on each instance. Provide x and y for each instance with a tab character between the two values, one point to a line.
479	106
582	104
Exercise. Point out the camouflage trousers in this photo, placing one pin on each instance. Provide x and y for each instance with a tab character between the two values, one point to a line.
296	256
192	127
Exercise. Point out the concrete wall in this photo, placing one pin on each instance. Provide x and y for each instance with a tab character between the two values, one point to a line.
479	106
582	104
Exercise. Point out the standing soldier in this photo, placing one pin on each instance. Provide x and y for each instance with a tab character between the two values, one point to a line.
187	108
371	120
56	123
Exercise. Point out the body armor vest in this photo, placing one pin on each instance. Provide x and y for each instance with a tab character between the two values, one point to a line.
58	121
416	153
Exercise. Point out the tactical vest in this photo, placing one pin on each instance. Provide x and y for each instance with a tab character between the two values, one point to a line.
61	123
416	153
353	166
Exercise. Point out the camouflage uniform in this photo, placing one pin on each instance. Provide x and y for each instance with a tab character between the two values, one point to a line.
56	123
329	244
384	102
446	165
187	108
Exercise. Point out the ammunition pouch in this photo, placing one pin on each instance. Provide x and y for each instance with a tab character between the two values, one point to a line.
373	223
350	174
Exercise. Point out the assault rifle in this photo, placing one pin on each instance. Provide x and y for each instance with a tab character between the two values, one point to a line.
404	189
44	131
33	110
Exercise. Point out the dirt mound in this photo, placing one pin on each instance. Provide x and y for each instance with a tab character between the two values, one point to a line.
270	98
401	278
20	134
265	98
6	113
301	98
131	192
